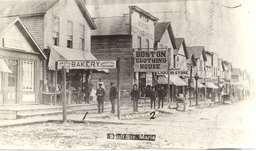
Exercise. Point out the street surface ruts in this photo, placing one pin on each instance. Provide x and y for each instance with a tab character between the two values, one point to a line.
221	126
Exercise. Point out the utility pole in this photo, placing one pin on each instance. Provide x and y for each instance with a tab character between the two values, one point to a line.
64	107
118	85
168	84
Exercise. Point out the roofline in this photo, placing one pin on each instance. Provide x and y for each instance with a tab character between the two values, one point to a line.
136	8
86	14
24	15
32	38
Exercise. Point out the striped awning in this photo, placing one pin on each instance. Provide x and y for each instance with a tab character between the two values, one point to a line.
174	80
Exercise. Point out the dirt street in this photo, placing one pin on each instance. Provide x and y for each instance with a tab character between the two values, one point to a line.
223	126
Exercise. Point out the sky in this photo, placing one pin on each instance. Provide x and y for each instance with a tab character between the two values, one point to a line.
226	27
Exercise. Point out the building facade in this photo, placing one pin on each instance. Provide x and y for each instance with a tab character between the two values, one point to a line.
120	36
22	55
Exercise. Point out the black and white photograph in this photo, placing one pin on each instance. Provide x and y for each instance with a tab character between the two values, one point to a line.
128	74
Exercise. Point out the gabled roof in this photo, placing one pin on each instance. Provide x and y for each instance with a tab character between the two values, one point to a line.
25	7
209	53
10	8
179	42
236	71
136	8
226	65
6	23
160	28
118	25
197	51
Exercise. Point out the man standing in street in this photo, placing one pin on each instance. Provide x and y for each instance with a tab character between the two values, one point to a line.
135	95
153	97
161	96
87	89
100	98
112	96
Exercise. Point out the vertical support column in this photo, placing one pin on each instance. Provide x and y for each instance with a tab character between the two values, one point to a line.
168	84
190	80
64	107
118	85
55	84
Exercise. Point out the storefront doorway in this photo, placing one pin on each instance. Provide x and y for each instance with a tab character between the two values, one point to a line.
11	90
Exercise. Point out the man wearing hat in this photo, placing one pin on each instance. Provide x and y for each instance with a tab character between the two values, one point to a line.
100	98
112	96
135	95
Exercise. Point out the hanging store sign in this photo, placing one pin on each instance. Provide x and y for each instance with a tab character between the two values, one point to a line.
175	71
150	61
88	64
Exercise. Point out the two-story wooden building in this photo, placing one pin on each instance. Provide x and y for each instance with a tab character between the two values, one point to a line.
61	28
119	36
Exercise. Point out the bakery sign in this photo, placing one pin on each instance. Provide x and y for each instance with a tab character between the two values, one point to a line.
150	61
86	64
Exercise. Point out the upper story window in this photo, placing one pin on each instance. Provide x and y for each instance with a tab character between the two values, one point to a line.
55	29
139	43
147	42
81	37
69	34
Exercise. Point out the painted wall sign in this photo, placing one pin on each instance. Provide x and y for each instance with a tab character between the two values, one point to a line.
87	64
150	61
13	43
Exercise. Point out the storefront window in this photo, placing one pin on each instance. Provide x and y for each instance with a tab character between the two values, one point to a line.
28	75
12	77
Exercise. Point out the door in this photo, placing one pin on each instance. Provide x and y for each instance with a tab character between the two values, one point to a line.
11	89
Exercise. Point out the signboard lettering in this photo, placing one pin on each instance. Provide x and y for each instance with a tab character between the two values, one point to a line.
150	61
88	64
175	71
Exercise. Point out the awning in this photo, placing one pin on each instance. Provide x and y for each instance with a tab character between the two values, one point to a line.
63	53
211	85
3	66
199	85
174	80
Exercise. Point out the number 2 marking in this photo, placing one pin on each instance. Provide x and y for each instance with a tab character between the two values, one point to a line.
153	115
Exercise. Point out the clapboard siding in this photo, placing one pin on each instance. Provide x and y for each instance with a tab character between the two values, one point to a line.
35	25
109	48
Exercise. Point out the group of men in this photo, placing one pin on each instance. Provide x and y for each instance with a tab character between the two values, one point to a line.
100	93
151	93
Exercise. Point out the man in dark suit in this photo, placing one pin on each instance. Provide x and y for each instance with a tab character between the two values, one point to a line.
135	95
112	96
100	98
161	96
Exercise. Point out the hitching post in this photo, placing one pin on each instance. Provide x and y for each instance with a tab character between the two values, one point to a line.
118	85
64	107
